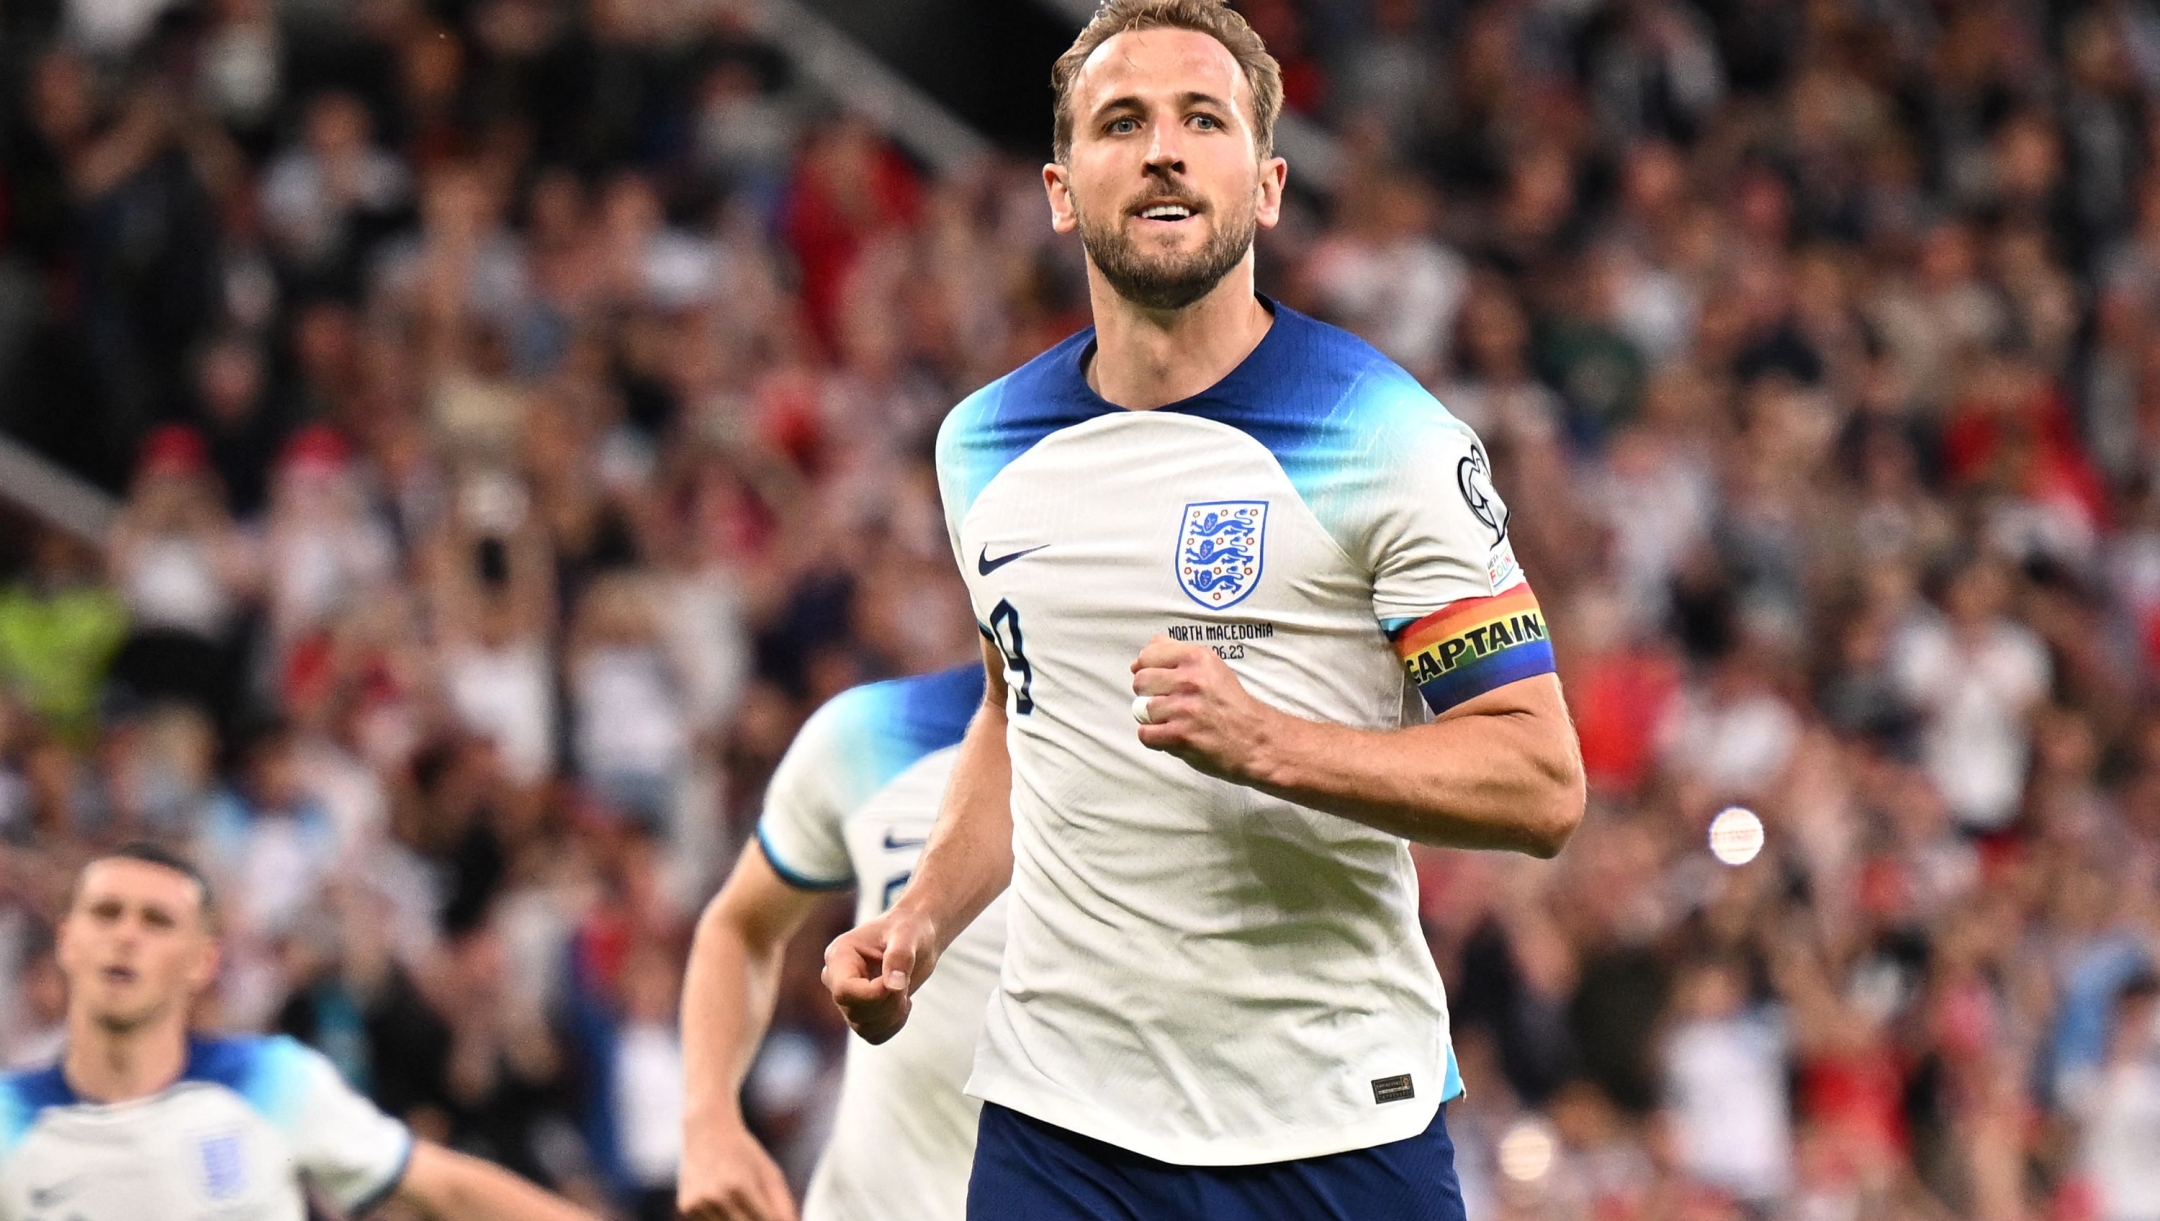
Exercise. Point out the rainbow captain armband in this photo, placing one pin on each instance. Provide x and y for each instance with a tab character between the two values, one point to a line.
1463	650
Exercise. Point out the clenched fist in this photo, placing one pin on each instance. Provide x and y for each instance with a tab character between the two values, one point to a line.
1190	704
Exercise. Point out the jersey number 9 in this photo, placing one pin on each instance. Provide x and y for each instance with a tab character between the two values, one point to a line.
1019	675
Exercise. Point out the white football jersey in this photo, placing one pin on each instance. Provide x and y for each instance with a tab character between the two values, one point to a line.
851	804
251	1124
1194	970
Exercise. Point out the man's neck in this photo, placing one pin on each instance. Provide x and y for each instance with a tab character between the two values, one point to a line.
1145	358
105	1065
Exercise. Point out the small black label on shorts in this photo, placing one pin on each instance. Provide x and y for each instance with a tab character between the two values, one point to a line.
1392	1089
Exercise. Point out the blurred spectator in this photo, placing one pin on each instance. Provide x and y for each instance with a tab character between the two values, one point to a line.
2122	1110
59	628
185	572
322	198
1726	1083
631	727
493	608
648	1076
1975	677
1384	276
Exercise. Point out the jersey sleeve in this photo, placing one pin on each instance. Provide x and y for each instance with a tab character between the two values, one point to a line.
807	801
957	476
1446	586
350	1151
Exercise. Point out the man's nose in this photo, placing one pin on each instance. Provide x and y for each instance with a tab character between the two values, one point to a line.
1166	151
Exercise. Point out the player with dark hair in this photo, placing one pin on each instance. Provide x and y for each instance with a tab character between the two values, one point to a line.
140	1119
1264	542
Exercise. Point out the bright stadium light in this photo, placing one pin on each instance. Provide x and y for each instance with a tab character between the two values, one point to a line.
1736	835
1526	1152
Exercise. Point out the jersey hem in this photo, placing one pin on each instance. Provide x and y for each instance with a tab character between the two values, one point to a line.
377	1198
800	881
1297	1145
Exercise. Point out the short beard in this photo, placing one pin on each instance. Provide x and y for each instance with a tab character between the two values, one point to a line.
1170	282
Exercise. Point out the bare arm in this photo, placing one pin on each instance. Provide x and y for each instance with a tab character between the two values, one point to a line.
874	970
728	997
450	1185
1500	771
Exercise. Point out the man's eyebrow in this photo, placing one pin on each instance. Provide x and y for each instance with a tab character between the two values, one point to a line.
1193	97
1124	102
1189	98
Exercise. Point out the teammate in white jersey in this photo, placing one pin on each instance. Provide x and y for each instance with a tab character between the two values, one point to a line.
141	1121
1267	544
849	806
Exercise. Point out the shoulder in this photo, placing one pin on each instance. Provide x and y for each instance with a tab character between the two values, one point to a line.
1324	401
1032	395
880	727
275	1073
1353	385
26	1095
849	753
1004	419
1356	434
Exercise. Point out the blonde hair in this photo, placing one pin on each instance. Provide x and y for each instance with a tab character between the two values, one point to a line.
1211	17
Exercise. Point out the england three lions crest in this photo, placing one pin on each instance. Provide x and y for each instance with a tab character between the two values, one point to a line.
1220	549
223	1165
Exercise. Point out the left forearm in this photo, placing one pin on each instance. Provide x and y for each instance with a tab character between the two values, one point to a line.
452	1186
1500	769
1498	781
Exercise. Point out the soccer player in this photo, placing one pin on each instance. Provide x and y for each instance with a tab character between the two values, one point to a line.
140	1120
849	805
1263	542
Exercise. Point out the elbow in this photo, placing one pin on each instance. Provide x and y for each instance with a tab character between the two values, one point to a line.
725	927
1557	810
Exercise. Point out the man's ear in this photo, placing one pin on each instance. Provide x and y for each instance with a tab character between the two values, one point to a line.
63	937
1274	176
1063	218
205	971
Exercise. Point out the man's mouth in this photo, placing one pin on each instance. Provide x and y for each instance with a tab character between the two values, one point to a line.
1168	212
119	975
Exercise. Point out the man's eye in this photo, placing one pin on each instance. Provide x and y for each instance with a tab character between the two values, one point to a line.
1206	121
1119	127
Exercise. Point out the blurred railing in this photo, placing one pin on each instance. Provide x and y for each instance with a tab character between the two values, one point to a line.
840	65
51	494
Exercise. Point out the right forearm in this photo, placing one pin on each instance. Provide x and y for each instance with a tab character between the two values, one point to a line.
728	997
968	861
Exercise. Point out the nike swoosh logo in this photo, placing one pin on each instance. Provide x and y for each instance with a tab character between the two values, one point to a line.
985	565
890	842
46	1197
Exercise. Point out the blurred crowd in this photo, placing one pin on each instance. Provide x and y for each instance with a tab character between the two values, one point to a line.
521	411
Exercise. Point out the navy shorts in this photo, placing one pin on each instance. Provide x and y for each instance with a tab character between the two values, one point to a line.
1027	1170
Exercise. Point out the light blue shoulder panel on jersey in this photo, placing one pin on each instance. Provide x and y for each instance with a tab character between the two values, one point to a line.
868	735
1005	419
271	1073
23	1096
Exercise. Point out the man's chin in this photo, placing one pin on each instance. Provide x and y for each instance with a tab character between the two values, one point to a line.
1155	277
1163	295
120	1018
